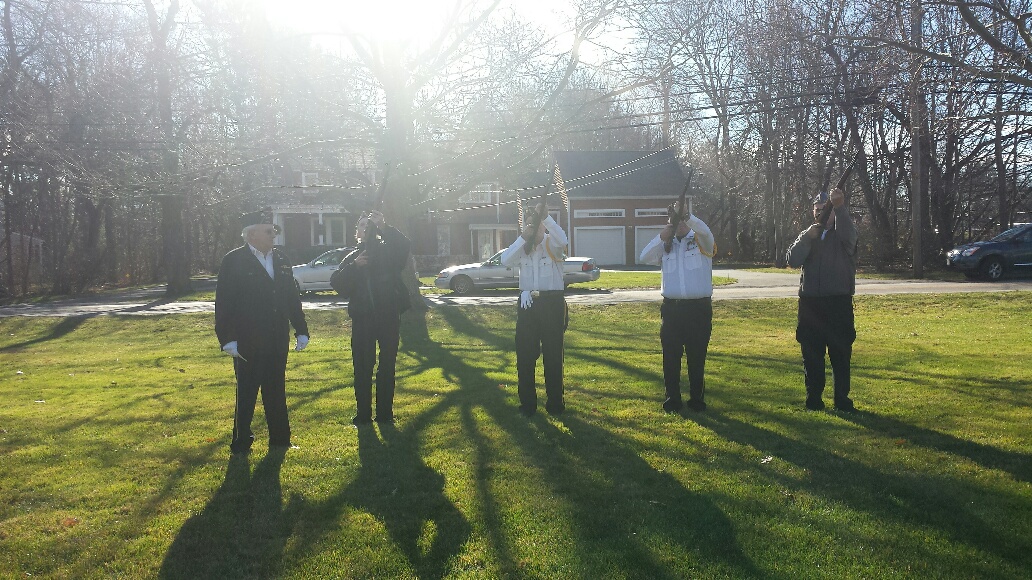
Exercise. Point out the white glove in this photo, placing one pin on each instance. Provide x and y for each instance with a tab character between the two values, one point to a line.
302	342
231	349
526	299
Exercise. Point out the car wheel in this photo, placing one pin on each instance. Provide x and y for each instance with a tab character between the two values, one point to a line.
992	269
462	285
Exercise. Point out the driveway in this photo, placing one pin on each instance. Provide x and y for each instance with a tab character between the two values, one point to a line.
750	285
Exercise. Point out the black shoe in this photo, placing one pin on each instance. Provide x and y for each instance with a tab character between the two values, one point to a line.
361	420
845	406
696	405
672	405
384	419
527	412
814	404
555	410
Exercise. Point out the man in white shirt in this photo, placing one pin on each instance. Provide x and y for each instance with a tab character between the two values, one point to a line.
541	313
684	250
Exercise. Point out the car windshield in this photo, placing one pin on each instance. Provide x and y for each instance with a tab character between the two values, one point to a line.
495	260
1010	234
331	257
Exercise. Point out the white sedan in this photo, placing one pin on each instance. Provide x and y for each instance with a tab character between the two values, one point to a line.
315	275
492	274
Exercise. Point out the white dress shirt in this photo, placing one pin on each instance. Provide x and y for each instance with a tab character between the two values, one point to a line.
264	259
688	266
542	268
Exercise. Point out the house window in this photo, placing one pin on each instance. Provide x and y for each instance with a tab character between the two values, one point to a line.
335	229
309	178
598	213
482	193
651	212
443	240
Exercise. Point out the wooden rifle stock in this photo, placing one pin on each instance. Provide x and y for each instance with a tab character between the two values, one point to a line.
678	215
829	207
371	229
535	218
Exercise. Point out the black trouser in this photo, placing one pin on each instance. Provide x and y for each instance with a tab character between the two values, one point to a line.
539	332
366	332
686	329
265	372
825	324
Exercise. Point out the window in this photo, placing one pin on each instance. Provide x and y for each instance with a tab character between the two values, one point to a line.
335	229
443	240
309	178
598	213
651	212
482	193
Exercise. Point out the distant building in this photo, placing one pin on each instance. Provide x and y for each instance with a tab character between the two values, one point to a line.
618	202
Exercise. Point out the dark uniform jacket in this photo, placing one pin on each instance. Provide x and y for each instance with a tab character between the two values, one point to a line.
376	288
829	264
254	309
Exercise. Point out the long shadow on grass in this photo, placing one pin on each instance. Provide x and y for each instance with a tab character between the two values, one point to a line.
396	487
622	508
917	499
1017	464
242	531
60	329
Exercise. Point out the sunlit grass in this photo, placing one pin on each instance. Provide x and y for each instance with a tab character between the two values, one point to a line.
114	433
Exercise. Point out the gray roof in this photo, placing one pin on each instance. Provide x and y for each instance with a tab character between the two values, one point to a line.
613	174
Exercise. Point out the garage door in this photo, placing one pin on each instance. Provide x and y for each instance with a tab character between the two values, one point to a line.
642	236
605	244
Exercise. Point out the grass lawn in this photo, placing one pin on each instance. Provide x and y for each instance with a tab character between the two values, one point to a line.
114	434
607	280
862	273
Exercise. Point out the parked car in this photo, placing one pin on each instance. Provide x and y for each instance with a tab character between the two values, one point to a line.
315	275
492	274
1010	251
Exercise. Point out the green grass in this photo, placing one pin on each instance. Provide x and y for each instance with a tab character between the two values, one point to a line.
607	280
862	273
113	442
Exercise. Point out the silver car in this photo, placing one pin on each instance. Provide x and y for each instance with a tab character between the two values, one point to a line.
492	274
315	275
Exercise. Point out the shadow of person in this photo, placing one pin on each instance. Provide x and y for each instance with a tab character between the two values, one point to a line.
1016	463
241	532
632	501
407	496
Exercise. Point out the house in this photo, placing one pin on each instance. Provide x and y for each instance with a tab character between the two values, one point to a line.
618	200
617	204
314	217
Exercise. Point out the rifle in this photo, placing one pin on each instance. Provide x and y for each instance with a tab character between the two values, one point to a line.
535	218
337	281
678	214
371	229
829	207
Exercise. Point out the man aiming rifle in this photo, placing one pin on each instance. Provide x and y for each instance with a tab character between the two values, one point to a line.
826	254
370	278
684	251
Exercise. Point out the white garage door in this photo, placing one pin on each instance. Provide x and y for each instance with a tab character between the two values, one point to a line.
642	236
605	244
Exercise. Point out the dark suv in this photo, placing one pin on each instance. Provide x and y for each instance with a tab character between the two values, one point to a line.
1010	251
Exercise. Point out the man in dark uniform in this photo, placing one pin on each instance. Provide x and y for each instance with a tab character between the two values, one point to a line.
827	254
256	302
370	278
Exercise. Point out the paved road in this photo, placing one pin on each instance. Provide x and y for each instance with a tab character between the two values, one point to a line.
749	285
